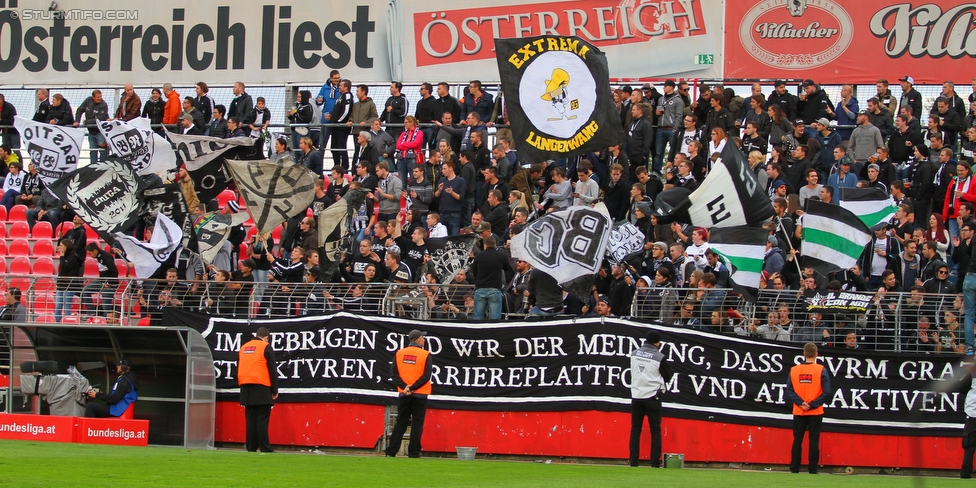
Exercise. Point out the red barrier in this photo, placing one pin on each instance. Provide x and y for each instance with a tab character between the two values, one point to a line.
119	432
588	434
45	428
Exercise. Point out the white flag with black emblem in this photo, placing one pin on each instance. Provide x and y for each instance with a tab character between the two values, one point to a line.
135	143
147	257
53	149
566	245
104	194
274	191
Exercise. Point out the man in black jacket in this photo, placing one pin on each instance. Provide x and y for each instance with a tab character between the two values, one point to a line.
218	127
341	112
720	117
241	106
812	105
910	97
786	100
640	137
489	267
123	393
902	143
395	110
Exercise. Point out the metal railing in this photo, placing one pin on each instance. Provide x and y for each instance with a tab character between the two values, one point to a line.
914	322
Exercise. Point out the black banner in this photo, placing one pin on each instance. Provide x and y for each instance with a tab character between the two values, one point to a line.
583	364
560	103
104	194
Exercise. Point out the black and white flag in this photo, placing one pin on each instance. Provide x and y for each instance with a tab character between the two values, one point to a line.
212	229
53	149
333	222
104	194
137	144
729	196
274	191
204	159
625	240
166	200
558	96
147	257
567	245
448	255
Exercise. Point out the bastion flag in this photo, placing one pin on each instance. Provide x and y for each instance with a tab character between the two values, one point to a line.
872	205
334	221
626	240
166	200
204	159
568	245
833	237
53	149
212	229
743	249
104	194
558	95
147	257
729	196
137	144
274	191
448	255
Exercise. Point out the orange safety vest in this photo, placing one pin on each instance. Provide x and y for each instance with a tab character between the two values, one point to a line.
805	379
252	367
411	362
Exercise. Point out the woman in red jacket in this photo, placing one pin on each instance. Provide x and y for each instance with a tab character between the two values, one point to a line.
408	147
961	189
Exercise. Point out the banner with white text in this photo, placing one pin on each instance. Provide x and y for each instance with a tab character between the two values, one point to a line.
583	364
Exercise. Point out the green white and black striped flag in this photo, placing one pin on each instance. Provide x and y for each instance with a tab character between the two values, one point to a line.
833	237
743	249
873	206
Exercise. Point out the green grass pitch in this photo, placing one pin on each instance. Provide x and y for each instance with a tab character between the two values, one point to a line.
26	464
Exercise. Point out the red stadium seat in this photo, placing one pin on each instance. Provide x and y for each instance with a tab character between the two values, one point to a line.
3	262
3	214
276	234
45	319
144	321
130	412
3	230
19	247
91	268
70	319
91	232
42	230
43	248
19	230
21	265
123	267
43	304
44	285
64	227
17	214
97	320
226	196
44	266
3	246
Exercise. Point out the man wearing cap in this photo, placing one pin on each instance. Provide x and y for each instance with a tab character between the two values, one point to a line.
411	374
864	140
257	376
670	112
187	127
844	177
783	98
910	97
812	105
807	390
123	393
650	374
829	139
659	259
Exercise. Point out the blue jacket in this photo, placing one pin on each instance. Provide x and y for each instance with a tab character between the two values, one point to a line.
843	119
124	393
329	94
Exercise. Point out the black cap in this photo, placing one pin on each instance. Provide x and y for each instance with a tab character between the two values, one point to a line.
653	337
799	122
779	82
123	362
670	83
807	83
415	334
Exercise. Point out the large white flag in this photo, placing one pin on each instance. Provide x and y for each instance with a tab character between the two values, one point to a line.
147	257
134	142
53	149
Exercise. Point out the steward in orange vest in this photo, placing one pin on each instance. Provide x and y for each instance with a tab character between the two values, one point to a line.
257	376
411	375
807	390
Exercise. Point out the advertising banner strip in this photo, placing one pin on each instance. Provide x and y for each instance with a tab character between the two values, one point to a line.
583	364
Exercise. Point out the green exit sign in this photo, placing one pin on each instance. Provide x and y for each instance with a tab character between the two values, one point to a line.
704	59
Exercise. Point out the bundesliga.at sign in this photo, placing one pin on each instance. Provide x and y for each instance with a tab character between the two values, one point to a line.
37	428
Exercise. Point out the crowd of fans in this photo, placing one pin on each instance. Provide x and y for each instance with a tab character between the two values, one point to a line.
430	171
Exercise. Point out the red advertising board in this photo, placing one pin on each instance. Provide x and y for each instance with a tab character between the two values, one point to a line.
45	428
120	432
843	41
